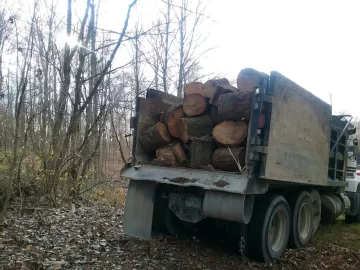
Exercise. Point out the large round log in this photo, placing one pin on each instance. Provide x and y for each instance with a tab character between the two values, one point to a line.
248	79
195	127
235	106
193	88
230	133
194	105
171	118
155	137
224	160
209	86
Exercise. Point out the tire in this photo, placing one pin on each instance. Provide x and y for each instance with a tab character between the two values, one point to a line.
269	228
302	220
316	203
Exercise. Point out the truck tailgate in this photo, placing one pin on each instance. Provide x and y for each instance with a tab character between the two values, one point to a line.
299	134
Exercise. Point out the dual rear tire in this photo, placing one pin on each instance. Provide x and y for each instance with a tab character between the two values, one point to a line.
275	223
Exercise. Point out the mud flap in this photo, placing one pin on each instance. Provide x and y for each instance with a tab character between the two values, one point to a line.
139	209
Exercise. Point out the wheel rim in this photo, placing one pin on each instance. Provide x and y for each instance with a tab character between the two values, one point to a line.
304	225
277	231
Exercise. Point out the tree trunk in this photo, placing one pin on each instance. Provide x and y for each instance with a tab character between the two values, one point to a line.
210	86
248	79
230	133
220	90
155	137
172	119
194	105
235	106
193	88
201	153
224	160
195	127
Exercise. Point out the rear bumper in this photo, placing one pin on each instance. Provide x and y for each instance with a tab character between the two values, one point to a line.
210	180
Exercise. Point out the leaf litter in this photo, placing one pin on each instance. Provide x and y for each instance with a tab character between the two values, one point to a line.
92	238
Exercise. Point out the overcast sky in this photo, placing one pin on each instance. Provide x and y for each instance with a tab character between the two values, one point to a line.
314	43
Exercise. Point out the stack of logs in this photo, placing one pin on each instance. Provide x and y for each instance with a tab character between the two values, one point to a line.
209	129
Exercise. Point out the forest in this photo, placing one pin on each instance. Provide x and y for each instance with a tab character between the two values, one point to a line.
69	81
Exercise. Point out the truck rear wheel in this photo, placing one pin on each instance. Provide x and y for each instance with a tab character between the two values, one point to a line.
269	228
302	220
316	202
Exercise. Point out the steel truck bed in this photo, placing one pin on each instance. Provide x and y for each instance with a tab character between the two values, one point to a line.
285	145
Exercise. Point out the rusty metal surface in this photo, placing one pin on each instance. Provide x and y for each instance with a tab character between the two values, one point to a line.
235	183
298	148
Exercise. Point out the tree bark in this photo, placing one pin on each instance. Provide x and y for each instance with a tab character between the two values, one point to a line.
230	133
172	119
210	86
235	106
224	160
195	127
194	105
221	89
248	79
155	137
201	153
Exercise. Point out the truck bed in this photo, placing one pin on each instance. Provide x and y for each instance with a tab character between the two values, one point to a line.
289	148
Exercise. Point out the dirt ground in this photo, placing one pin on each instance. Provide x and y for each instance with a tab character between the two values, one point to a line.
92	238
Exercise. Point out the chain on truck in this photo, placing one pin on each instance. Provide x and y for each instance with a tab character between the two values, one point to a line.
300	171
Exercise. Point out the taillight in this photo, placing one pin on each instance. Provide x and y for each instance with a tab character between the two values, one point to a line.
261	121
358	173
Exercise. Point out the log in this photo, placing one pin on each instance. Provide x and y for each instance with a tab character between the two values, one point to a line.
248	79
165	156
193	88
163	97
194	105
195	127
214	115
201	153
155	137
235	106
171	118
220	90
223	160
210	86
170	154
230	133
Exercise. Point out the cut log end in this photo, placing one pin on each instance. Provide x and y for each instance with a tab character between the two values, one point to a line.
248	79
170	154
193	88
171	119
194	105
155	137
230	133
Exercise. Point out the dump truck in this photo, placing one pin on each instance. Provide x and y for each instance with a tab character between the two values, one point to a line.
295	175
